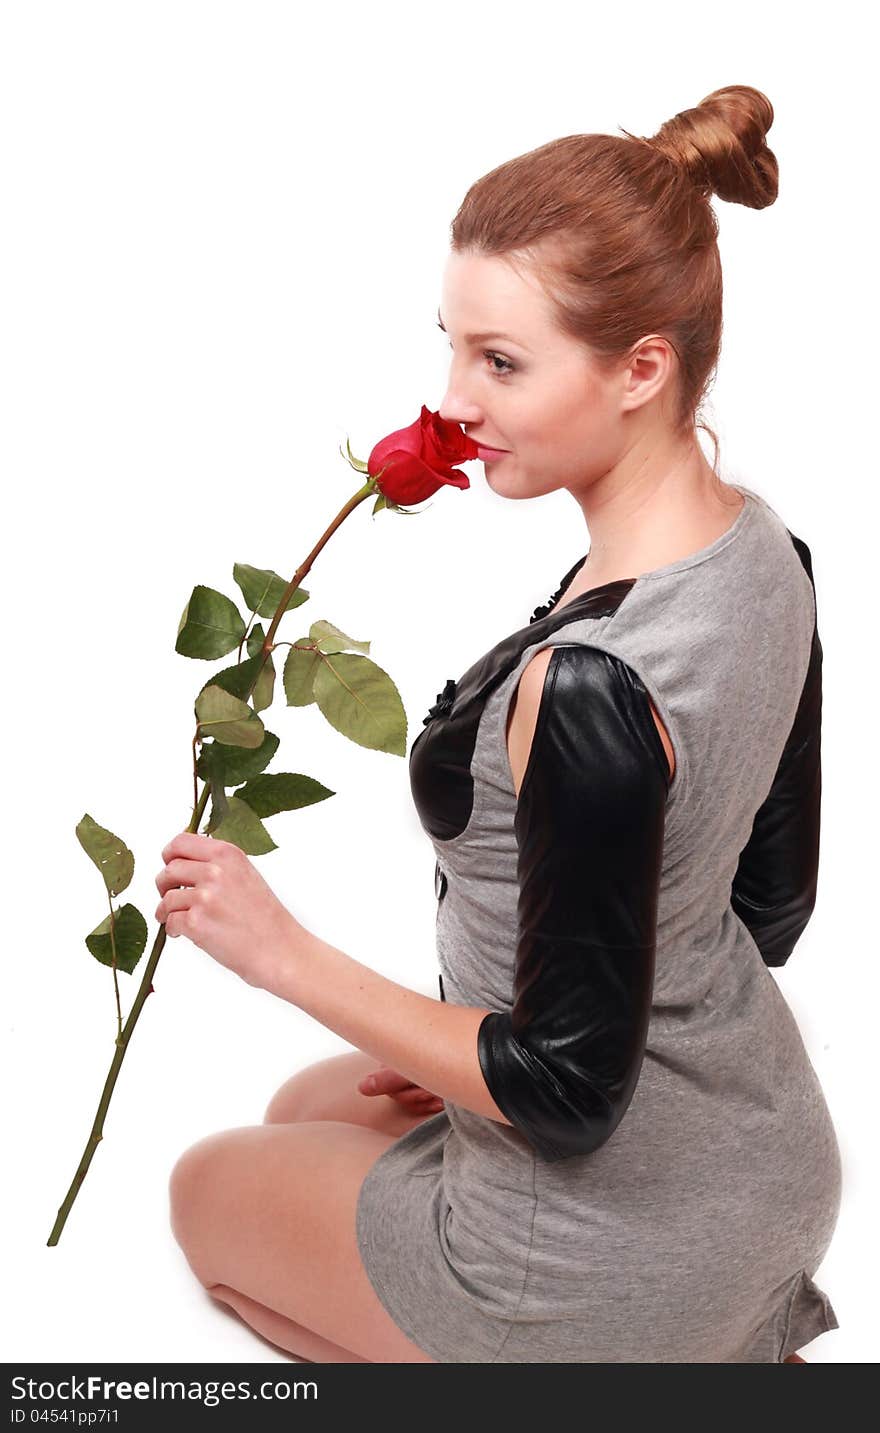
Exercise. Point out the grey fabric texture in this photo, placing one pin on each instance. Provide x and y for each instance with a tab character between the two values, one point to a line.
693	1234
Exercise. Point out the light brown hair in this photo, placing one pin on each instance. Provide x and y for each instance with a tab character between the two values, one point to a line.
622	234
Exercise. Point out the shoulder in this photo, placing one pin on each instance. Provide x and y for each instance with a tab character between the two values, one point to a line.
564	683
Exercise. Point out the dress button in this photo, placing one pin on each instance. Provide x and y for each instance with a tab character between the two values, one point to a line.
440	882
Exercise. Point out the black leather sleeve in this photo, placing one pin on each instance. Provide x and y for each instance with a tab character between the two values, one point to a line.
564	1063
774	889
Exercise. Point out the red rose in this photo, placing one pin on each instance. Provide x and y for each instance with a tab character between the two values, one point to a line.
420	459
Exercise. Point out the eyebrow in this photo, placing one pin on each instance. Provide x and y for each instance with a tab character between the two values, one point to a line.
482	337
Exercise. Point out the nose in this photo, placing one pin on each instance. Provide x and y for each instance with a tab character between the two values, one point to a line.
456	410
456	407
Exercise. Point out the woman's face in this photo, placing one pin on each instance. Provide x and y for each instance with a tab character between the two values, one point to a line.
517	383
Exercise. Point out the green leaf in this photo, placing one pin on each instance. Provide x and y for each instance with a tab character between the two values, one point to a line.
300	669
264	687
239	678
263	589
264	691
282	791
243	828
129	936
255	640
109	853
212	767
328	638
360	700
227	719
210	627
235	679
234	764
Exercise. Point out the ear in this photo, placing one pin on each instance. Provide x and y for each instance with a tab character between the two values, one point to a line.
649	368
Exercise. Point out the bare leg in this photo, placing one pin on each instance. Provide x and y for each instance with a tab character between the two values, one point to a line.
324	1091
265	1215
294	1338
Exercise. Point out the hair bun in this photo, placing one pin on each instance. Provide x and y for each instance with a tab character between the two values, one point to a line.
721	144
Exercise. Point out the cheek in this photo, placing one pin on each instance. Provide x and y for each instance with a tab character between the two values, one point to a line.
538	417
559	421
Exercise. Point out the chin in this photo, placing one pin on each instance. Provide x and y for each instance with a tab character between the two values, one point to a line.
505	483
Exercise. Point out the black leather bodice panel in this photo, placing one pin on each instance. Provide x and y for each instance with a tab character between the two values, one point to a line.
774	889
440	757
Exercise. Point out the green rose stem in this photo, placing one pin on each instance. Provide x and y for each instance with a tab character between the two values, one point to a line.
146	985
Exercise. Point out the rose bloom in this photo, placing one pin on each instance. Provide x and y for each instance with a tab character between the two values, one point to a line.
421	459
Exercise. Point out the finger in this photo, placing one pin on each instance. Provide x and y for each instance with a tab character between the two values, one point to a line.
174	900
179	872
391	1082
419	1096
387	1081
193	846
417	1099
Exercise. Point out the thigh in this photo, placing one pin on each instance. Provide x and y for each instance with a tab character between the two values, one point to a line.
327	1090
269	1210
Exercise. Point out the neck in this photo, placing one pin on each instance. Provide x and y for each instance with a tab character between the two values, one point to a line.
653	506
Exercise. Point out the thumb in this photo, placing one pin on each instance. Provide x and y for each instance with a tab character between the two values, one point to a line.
383	1081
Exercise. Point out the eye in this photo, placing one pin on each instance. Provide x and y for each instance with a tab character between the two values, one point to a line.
508	367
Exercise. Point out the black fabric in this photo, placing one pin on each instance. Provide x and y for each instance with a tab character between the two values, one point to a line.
547	607
774	889
440	757
564	1063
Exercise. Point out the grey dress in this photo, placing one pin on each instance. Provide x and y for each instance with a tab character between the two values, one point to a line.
685	1225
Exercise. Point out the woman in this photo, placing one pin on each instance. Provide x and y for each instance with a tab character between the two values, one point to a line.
613	1146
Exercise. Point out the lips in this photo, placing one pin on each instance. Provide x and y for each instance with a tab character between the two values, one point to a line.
487	454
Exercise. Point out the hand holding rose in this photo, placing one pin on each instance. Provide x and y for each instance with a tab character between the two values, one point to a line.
212	893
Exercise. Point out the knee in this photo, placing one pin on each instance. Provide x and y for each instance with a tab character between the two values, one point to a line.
187	1183
295	1099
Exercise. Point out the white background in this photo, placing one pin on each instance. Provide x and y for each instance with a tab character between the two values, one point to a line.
223	236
